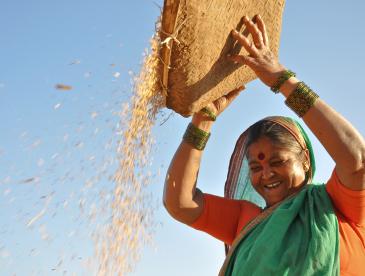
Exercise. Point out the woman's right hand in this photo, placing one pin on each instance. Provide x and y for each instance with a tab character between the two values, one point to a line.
260	59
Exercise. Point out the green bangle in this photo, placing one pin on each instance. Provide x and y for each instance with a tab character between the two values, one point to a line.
283	78
301	99
210	114
196	137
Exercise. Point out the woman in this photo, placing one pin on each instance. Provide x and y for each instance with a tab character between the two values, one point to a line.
304	229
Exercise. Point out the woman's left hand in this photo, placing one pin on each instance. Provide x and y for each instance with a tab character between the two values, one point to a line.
260	59
219	105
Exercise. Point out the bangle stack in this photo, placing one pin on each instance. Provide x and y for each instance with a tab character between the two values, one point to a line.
196	137
283	78
301	99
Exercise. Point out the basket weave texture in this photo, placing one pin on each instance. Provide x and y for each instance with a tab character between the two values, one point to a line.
196	39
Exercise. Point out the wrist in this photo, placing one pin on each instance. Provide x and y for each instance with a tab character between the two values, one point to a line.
196	137
289	86
301	99
275	74
202	122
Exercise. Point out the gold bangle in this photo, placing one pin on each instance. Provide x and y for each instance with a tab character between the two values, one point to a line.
301	99
209	113
283	78
196	137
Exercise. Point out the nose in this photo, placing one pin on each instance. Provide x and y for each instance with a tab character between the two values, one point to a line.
267	172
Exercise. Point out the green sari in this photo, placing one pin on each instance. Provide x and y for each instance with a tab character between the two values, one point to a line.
298	236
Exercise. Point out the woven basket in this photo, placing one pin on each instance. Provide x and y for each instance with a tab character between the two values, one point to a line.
195	40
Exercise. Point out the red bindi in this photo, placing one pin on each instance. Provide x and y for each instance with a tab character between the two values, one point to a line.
261	156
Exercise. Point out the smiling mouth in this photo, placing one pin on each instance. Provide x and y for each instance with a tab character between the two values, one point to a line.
272	185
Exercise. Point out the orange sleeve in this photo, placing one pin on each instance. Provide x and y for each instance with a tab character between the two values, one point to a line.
222	216
350	203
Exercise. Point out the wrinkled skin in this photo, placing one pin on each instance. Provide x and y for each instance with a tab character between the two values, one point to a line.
270	165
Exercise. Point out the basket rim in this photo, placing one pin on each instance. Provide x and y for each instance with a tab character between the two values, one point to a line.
167	36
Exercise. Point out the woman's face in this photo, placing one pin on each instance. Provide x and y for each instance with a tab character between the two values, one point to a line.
275	172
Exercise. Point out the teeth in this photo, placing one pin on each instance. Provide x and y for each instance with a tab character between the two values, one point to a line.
273	185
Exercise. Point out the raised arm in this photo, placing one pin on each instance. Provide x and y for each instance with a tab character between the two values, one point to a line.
181	198
341	140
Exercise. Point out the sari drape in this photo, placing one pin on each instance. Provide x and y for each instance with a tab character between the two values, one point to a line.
298	236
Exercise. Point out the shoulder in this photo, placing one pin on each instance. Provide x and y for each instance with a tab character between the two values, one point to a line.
350	203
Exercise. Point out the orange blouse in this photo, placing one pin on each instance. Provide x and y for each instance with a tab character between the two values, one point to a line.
224	218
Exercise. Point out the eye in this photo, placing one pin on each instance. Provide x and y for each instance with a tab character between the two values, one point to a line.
255	168
277	163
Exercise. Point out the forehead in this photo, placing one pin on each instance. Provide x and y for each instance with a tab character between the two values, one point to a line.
265	148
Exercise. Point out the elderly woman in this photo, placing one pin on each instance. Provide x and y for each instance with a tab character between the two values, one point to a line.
304	229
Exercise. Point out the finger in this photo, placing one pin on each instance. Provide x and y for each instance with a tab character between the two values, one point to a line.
249	61
224	101
254	31
220	104
261	25
234	93
212	107
242	40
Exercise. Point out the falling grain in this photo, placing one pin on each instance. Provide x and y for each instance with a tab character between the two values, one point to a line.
63	87
119	243
41	213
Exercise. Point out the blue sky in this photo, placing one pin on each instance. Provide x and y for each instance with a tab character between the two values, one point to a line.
53	141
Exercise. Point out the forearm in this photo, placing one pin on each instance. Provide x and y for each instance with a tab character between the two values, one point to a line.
180	184
341	140
345	145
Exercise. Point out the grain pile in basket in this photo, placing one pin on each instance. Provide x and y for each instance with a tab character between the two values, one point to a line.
196	39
